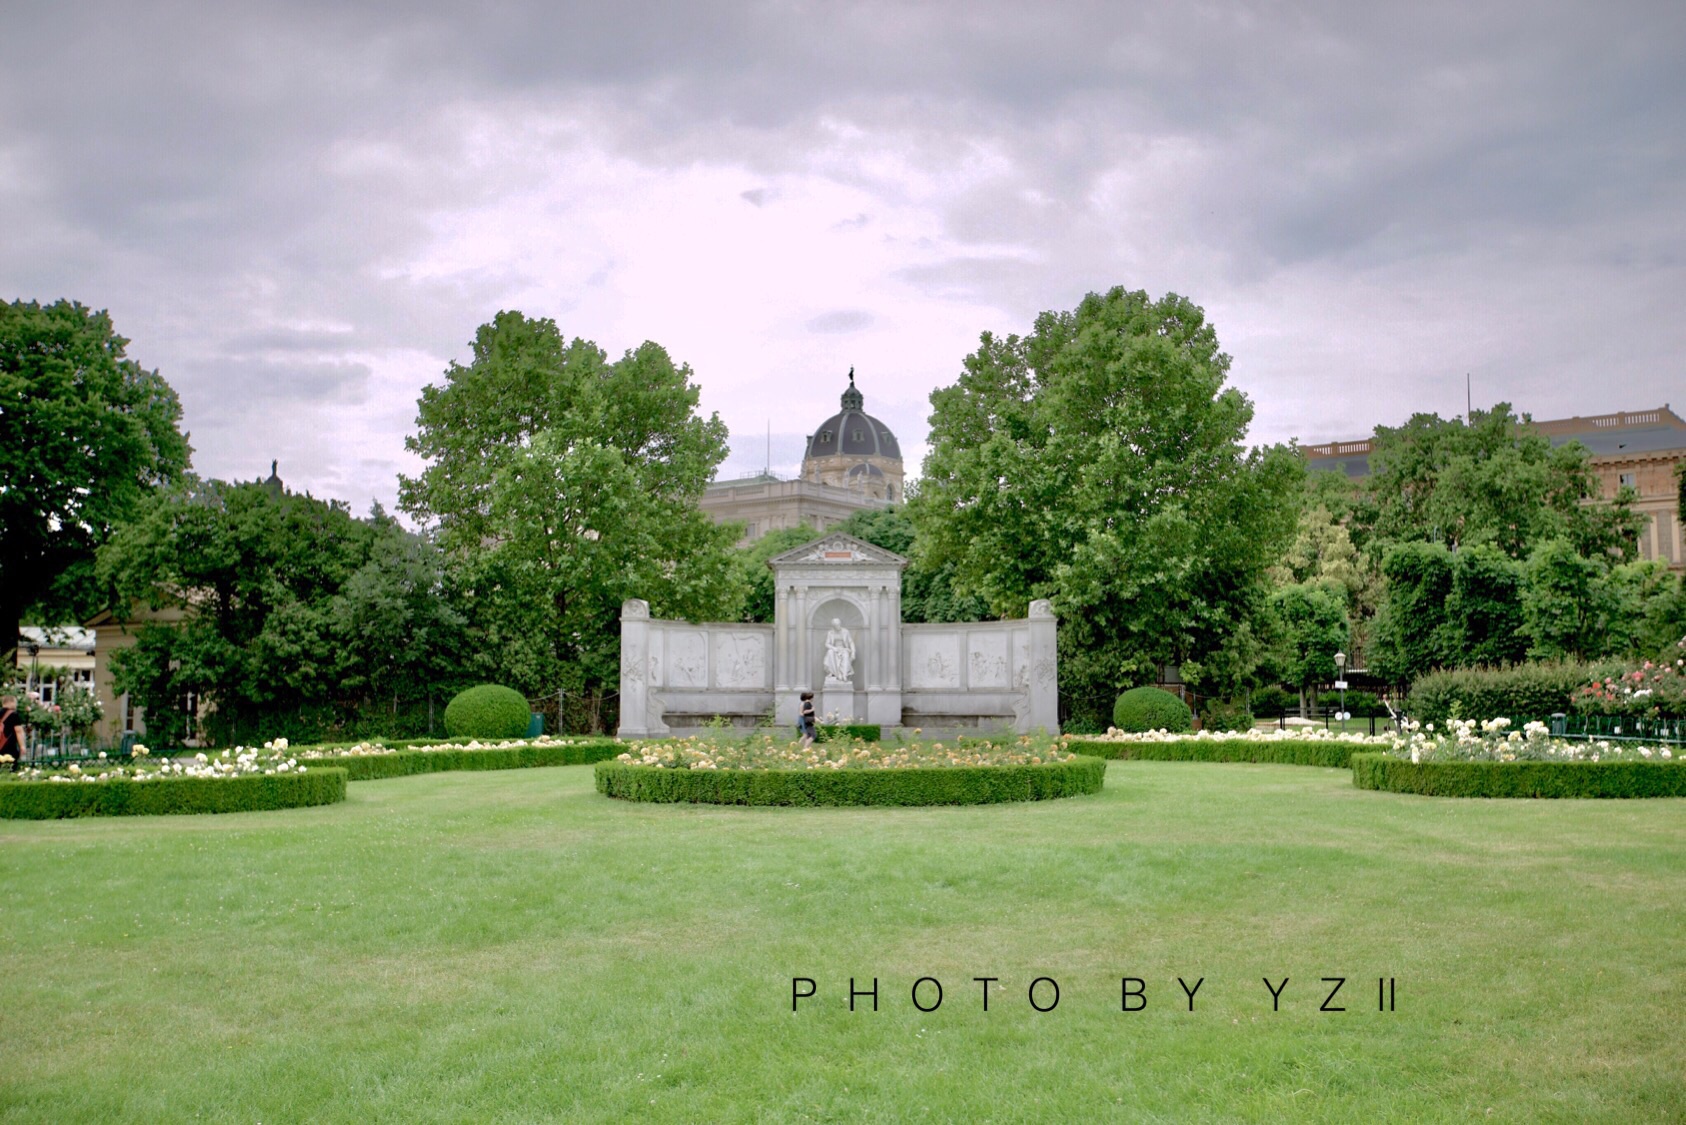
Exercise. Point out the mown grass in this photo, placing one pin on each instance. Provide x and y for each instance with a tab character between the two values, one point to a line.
512	946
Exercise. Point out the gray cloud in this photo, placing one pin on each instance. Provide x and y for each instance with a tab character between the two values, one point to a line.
1360	195
841	321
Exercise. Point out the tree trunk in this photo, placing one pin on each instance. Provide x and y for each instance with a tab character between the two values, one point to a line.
1302	701
11	617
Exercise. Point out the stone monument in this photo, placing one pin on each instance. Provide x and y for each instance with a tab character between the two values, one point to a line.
837	631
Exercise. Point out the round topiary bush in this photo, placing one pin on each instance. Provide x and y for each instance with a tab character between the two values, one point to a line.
1150	708
487	711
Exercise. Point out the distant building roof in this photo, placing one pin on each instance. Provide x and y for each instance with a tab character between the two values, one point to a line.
853	432
1610	435
57	636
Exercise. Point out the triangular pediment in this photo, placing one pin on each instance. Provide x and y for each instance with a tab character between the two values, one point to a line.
839	549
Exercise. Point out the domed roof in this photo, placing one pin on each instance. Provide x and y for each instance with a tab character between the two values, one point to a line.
852	432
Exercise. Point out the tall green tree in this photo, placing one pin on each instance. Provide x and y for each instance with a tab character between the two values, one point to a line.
1484	609
1413	632
1494	479
295	617
1315	627
563	483
86	434
1100	462
1568	606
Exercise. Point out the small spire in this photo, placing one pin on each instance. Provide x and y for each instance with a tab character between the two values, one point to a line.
852	398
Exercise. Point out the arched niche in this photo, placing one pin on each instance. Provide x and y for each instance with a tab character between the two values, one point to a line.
852	615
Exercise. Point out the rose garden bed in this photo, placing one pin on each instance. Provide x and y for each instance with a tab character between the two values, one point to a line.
765	771
1333	750
370	761
239	780
1462	758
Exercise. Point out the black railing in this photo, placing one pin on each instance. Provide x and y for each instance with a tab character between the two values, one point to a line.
1620	728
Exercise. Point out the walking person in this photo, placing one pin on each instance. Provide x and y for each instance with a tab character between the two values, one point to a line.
12	731
805	719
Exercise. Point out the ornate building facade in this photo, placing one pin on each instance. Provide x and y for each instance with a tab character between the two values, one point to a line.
1639	449
856	451
852	461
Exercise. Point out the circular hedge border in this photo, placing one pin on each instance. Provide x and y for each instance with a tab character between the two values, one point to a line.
165	796
1326	752
935	785
1520	779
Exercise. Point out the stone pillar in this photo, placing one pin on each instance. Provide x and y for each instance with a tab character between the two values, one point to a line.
781	638
635	672
802	680
1042	688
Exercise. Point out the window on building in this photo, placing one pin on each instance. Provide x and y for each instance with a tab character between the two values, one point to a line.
1629	480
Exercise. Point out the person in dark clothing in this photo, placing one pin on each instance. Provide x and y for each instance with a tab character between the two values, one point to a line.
805	719
11	731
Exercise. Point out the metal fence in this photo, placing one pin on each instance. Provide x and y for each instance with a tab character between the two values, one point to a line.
1616	728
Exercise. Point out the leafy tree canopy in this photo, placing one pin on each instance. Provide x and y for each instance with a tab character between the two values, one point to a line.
85	435
1315	628
288	605
563	484
1099	461
1494	480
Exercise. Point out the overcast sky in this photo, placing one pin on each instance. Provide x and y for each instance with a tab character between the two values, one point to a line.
300	213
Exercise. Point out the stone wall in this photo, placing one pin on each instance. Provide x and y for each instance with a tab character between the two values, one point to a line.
678	675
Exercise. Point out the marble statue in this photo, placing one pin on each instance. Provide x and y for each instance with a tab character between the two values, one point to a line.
839	654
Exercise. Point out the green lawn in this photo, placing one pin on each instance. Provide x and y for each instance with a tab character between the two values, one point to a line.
511	946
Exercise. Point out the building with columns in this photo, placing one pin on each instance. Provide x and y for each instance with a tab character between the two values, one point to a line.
852	461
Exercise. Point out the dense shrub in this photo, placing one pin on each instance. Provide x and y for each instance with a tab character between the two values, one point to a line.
487	711
1519	779
843	732
1287	752
405	763
1275	702
1361	705
50	800
1150	708
959	785
1226	715
408	763
1522	693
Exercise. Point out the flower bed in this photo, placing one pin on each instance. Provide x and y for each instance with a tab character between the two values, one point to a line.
233	781
369	761
1309	747
1447	777
1488	759
764	771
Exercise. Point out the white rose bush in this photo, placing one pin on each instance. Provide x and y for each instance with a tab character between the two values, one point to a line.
235	780
767	770
1462	757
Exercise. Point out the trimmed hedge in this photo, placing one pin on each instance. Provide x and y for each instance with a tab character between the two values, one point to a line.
1150	708
958	785
488	711
866	732
52	800
1519	779
1333	755
1521	693
406	763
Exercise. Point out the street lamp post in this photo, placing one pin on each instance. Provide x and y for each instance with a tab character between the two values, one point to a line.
1340	683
